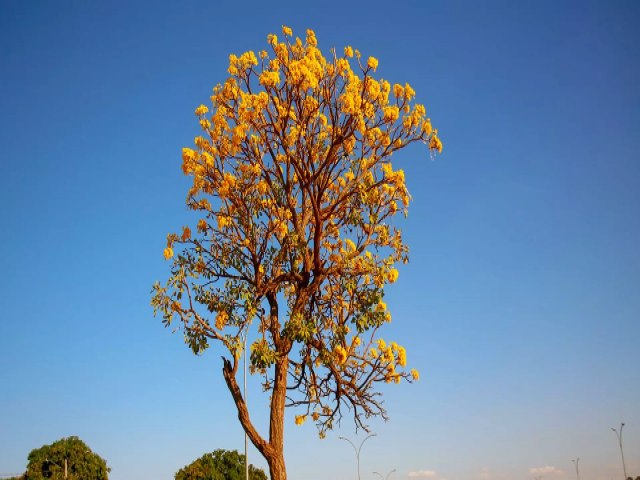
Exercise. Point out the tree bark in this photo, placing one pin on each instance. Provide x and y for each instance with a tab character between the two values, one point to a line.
277	468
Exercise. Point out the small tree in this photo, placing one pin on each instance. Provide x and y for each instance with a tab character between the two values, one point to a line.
68	458
296	197
219	465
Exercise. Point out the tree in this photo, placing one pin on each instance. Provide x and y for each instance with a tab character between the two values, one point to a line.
67	458
219	465
295	196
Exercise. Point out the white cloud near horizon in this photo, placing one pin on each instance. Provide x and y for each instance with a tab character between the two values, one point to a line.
549	469
422	474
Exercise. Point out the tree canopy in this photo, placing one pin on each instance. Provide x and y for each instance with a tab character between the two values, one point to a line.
68	458
295	197
219	465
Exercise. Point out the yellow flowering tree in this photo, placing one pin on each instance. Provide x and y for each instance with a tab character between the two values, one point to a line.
295	242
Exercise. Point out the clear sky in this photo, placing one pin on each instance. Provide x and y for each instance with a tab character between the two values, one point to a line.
521	303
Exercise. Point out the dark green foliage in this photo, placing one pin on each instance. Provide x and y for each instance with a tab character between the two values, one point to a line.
219	465
49	461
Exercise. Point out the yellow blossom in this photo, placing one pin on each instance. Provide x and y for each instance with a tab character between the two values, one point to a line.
340	354
415	374
435	143
426	127
409	92
223	221
201	110
311	38
272	39
221	320
287	31
392	276
186	234
391	113
300	419
168	253
270	79
402	357
348	52
372	63
202	225
351	247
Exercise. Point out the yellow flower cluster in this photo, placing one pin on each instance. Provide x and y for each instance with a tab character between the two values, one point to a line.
340	354
221	320
201	110
308	71
228	183
242	63
435	143
223	221
286	31
392	275
391	113
270	79
300	419
391	356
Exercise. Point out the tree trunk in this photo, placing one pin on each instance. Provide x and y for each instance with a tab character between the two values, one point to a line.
277	468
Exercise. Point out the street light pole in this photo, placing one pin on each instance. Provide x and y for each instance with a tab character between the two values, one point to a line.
246	442
388	474
577	463
619	435
357	450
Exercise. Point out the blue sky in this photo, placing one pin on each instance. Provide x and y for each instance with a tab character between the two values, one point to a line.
521	303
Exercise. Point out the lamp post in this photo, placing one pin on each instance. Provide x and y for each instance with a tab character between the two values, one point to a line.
357	450
577	464
246	458
619	435
387	476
